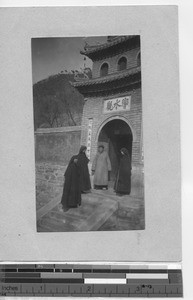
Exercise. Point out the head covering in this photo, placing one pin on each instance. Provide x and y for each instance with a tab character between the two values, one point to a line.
102	146
125	151
82	148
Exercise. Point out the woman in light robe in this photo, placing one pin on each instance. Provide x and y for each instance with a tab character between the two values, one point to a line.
100	168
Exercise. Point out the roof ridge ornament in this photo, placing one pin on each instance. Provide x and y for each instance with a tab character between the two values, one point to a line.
82	75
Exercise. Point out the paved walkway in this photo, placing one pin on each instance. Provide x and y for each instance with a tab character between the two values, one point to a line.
100	210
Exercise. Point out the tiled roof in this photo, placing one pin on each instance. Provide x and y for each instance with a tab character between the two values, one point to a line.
91	49
108	78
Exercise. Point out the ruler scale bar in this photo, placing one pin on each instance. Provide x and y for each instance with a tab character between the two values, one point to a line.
131	290
84	280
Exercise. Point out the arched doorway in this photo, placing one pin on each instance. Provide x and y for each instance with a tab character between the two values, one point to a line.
115	135
104	69
122	64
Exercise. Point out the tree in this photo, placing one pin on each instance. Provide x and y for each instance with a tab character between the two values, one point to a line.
51	111
56	102
65	106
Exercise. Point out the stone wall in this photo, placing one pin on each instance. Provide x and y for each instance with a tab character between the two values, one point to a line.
53	150
50	173
49	183
57	145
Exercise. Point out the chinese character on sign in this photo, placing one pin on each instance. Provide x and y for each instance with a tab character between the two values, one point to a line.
109	105
125	102
117	104
112	106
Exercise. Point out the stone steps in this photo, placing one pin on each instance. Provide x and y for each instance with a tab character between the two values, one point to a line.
93	212
96	209
52	224
125	201
53	203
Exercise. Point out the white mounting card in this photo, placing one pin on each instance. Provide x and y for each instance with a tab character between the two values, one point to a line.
158	29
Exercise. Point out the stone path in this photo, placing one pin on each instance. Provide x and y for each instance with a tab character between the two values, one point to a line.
91	215
100	210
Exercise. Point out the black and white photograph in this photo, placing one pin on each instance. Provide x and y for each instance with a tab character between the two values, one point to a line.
90	123
88	131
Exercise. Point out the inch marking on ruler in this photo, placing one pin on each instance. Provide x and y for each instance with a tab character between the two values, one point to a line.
92	281
91	290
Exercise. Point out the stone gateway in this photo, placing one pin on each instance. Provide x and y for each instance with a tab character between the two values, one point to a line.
112	113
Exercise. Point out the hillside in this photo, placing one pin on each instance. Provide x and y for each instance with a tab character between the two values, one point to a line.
56	103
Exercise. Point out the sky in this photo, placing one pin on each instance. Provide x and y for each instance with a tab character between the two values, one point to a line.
53	55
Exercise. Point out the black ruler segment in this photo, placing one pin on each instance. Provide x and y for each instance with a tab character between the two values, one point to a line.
63	270
82	271
25	270
41	280
101	271
64	280
145	270
44	270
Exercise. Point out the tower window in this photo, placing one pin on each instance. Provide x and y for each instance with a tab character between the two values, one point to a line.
104	69
122	64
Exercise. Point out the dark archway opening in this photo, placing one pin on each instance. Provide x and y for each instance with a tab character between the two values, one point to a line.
122	64
115	135
104	69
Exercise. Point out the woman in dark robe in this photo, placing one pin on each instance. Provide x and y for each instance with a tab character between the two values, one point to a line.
123	180
84	173
71	197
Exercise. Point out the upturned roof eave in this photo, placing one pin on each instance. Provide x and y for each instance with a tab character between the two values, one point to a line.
108	78
98	48
110	90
